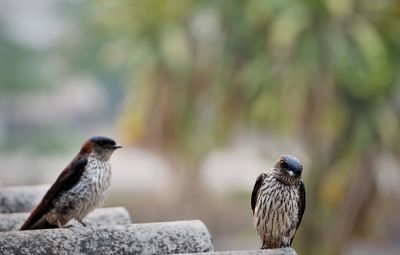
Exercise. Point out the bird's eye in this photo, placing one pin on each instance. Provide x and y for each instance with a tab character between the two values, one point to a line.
283	163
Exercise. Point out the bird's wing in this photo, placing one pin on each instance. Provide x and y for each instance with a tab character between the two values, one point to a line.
254	194
301	203
67	179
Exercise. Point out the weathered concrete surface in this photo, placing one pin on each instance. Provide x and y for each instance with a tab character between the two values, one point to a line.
15	199
151	238
282	251
100	216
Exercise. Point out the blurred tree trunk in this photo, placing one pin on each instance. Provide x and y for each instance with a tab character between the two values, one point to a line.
359	197
321	70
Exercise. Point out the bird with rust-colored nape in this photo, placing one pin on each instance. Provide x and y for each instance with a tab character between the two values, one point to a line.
79	189
278	201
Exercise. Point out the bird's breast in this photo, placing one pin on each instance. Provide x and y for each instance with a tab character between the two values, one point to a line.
88	193
276	210
97	175
95	180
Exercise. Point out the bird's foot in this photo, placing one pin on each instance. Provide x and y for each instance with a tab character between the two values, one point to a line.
68	226
81	222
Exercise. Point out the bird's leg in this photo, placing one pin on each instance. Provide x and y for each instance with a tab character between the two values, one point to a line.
81	222
264	245
65	226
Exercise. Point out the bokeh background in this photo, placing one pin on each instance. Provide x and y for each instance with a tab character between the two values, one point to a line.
205	95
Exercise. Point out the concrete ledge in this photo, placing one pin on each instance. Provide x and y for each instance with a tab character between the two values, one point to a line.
282	251
151	238
100	216
15	199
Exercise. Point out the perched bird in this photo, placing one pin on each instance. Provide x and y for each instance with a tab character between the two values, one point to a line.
278	201
79	189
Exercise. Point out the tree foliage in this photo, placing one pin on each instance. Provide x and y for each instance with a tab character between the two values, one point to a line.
324	71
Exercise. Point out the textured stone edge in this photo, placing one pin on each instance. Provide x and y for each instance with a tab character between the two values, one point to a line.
148	238
99	217
281	251
14	199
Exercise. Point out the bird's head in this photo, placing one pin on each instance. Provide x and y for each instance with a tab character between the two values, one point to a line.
100	146
288	168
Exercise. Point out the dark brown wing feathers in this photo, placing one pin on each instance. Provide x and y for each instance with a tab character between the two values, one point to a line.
67	179
301	204
254	194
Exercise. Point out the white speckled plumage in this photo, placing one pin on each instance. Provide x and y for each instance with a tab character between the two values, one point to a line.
79	189
85	196
278	202
276	212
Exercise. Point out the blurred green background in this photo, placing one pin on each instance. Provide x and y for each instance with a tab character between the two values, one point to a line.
205	95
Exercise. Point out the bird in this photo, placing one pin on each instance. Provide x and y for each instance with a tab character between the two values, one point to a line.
79	189
278	201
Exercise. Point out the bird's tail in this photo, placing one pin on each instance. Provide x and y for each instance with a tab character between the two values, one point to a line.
268	245
40	224
264	245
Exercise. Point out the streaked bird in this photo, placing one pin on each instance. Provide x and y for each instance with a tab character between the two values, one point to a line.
278	201
80	188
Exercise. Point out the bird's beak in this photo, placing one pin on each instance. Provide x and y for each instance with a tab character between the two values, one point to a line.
294	172
117	146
